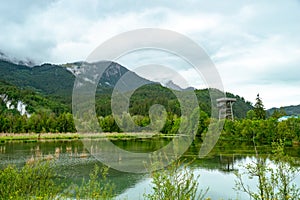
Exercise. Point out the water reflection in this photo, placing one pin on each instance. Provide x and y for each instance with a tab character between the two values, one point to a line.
74	162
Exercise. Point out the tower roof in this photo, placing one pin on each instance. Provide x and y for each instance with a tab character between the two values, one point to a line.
226	99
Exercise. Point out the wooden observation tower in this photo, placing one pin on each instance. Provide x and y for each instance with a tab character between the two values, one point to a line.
225	107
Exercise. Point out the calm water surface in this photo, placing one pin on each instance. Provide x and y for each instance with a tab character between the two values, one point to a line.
74	162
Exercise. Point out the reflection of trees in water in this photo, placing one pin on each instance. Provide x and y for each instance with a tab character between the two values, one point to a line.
2	149
227	163
61	151
142	144
74	162
223	163
223	157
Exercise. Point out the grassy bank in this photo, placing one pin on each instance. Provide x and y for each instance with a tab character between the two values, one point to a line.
34	137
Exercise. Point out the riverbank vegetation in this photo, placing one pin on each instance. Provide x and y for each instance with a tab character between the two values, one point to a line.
40	181
176	181
49	108
48	115
33	137
274	176
262	130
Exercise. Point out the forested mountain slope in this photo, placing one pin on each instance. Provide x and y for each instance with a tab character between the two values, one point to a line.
49	87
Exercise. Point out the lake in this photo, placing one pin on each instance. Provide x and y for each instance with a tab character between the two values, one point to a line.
74	162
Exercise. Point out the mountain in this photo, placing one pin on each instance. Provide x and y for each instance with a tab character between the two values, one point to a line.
110	76
58	80
25	102
170	84
48	84
289	110
46	79
27	62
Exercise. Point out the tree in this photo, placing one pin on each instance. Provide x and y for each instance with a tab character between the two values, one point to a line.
259	109
65	123
203	124
272	182
250	115
176	181
278	113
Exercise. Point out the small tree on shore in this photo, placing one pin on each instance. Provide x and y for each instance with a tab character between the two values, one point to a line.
272	182
259	109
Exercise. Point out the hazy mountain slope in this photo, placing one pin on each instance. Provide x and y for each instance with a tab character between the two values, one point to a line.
289	110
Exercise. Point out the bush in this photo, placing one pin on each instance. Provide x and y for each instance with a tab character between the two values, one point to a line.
175	182
273	182
33	181
37	181
94	188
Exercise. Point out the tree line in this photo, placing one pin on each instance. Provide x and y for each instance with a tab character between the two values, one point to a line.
264	130
37	123
256	125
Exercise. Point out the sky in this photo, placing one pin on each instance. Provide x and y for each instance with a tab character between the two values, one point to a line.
255	45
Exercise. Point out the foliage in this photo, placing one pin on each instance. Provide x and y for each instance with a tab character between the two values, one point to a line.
273	182
277	113
250	115
37	123
39	181
259	110
203	124
175	182
95	188
34	101
108	124
33	181
286	110
265	131
286	172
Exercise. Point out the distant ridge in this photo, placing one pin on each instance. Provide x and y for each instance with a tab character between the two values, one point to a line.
170	84
28	62
289	110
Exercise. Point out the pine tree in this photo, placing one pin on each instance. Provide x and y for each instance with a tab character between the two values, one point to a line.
259	109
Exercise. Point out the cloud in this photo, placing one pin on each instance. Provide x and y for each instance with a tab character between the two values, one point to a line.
16	12
254	44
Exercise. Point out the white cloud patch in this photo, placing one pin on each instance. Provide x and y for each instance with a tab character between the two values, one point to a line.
254	44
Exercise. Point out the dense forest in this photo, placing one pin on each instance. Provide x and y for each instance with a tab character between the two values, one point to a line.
48	115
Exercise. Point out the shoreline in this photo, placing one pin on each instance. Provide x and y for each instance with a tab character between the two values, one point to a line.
70	136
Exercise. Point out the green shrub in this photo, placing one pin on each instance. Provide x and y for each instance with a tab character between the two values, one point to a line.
175	182
272	182
33	181
95	188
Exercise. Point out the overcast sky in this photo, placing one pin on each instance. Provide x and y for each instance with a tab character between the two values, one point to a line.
255	45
